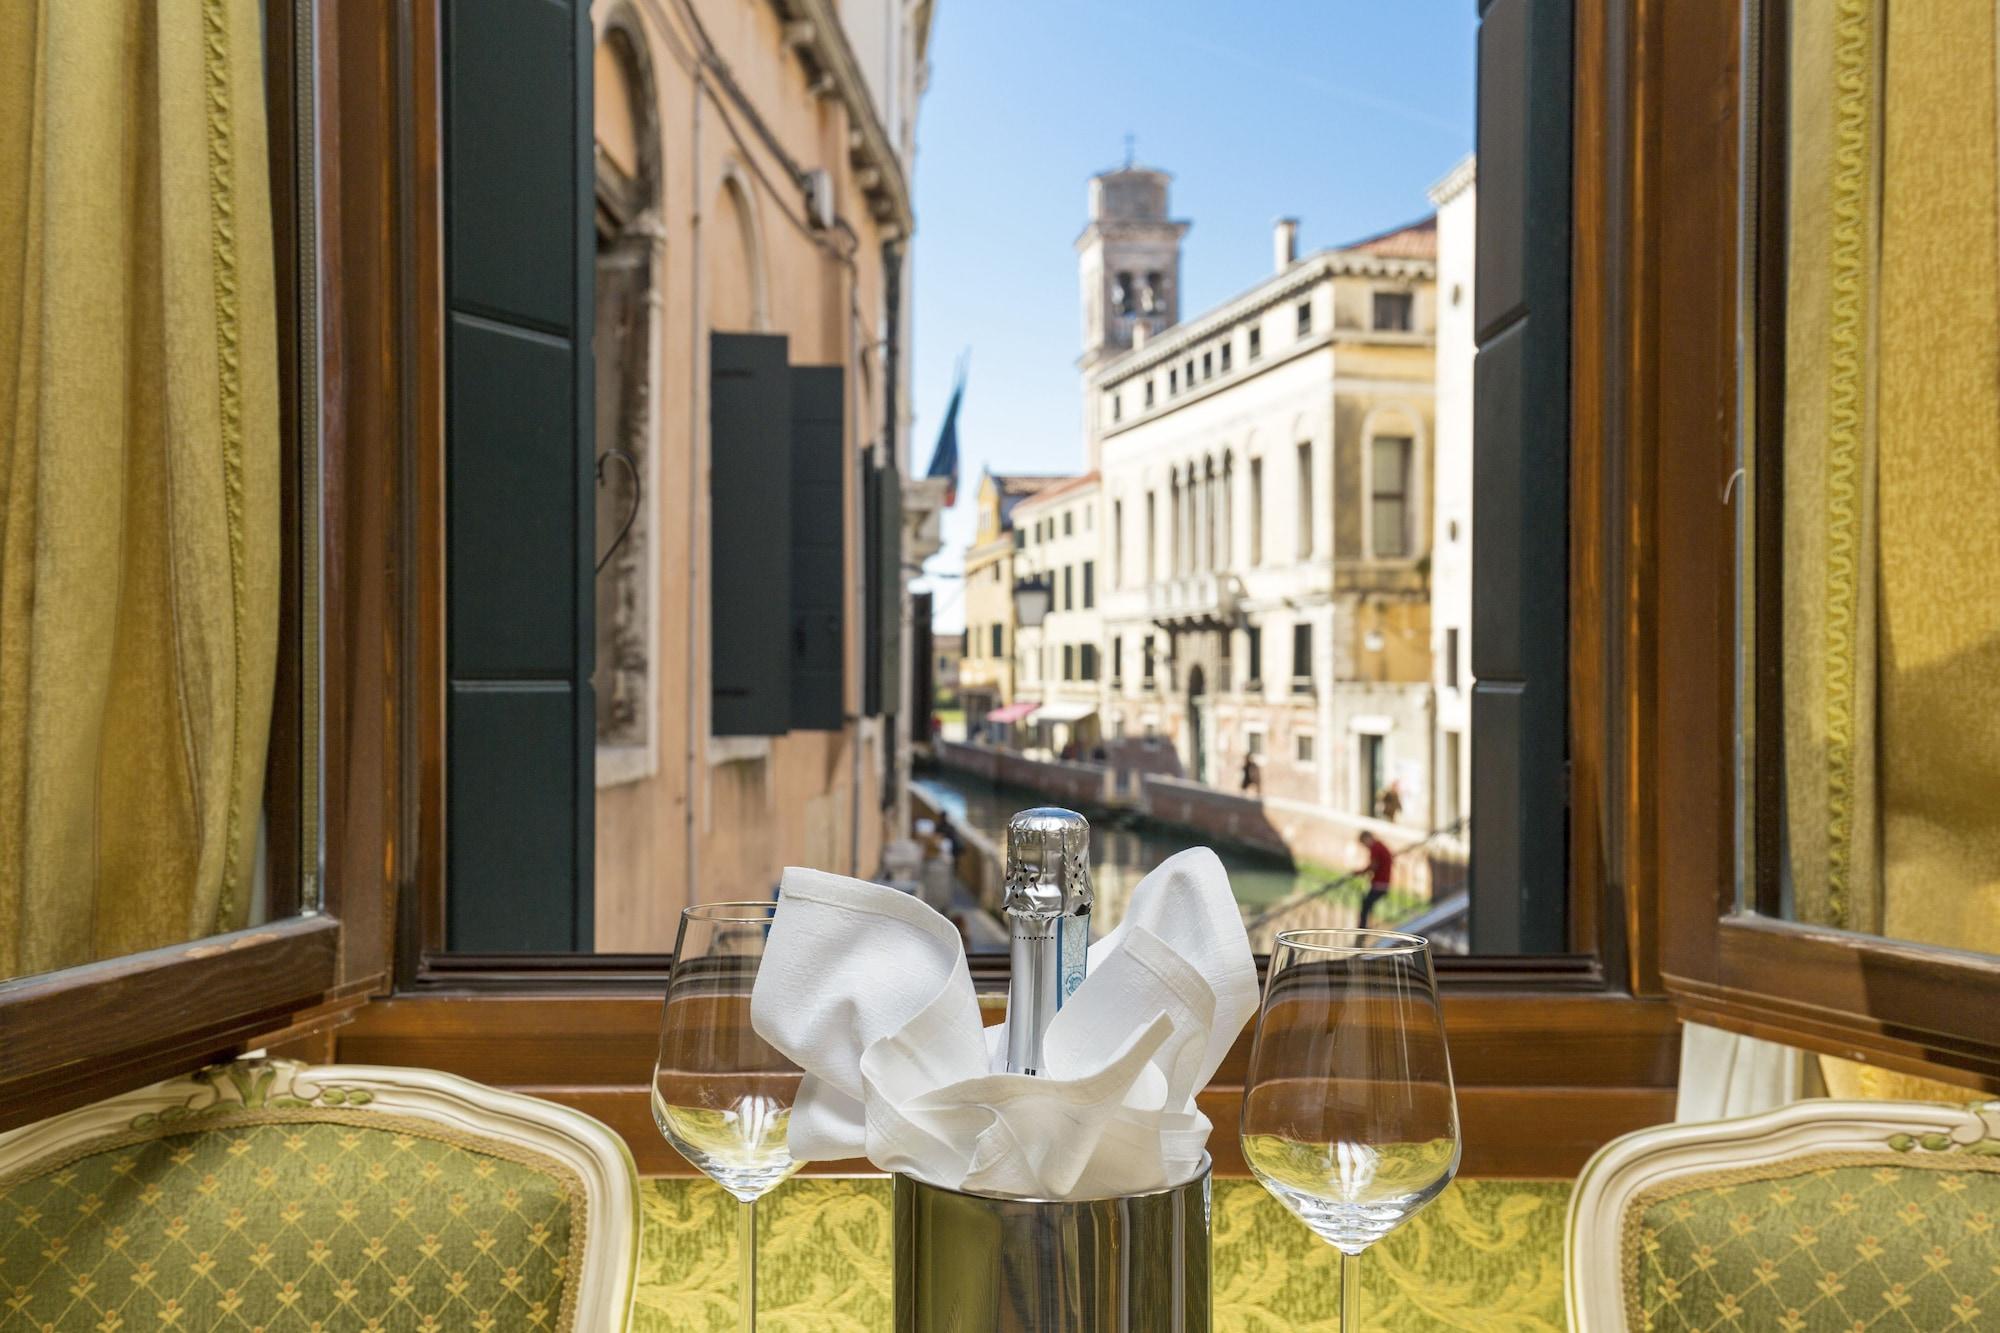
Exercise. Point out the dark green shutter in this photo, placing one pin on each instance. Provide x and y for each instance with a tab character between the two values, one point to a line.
749	526
1520	480
818	550
520	728
885	589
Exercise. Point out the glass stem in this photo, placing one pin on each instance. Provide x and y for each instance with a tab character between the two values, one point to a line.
1350	1292
746	1255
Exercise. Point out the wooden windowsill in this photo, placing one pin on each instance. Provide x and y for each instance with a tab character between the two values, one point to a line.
1543	1079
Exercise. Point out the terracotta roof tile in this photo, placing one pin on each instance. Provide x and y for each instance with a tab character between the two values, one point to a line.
1416	240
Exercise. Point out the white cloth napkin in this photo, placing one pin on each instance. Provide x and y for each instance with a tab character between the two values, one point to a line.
867	989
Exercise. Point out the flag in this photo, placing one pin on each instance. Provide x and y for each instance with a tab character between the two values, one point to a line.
944	458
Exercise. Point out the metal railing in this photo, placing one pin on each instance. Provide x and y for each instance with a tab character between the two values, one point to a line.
1357	879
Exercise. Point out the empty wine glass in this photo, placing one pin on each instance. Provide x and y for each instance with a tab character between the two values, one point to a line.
722	1095
1349	1117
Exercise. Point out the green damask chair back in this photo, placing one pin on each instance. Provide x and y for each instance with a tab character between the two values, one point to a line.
277	1195
1821	1215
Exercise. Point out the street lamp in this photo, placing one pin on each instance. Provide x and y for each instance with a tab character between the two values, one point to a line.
1032	599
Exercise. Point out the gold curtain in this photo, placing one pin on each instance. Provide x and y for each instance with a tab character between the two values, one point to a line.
138	473
1892	470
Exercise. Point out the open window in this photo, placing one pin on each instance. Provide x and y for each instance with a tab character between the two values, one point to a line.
1833	874
196	783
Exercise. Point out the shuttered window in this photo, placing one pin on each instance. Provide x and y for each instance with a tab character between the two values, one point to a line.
884	590
750	524
519	719
818	553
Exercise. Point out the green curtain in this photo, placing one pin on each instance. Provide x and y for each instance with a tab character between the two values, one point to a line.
138	473
1892	470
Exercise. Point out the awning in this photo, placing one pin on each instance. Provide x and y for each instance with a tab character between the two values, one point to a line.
1012	712
1065	710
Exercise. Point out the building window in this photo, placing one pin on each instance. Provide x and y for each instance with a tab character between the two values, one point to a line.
1448	786
1255	635
1020	540
1124	294
1173	380
1069	588
1305	318
1207	364
1153	300
1253	742
999	649
1226	347
1086	661
1069	661
1190	372
1305	491
1069	522
1149	393
1117	543
1256	511
1117	658
1302	747
1451	657
1302	657
1389	496
1373	777
1152	534
1117	408
1392	312
1256	343
1146	658
1089	584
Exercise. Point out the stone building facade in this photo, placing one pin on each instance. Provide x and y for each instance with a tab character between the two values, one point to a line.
988	673
773	201
1451	528
1266	506
1060	661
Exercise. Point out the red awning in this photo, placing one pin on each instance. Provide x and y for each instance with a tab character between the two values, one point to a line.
1013	712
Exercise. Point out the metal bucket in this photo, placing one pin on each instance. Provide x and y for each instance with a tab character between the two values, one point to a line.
972	1263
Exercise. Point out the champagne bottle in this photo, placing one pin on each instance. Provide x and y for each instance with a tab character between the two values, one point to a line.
1047	904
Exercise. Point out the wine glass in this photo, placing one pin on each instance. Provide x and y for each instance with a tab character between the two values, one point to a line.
722	1095
1349	1117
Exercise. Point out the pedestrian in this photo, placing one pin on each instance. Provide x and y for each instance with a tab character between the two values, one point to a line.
1381	864
1252	779
1391	802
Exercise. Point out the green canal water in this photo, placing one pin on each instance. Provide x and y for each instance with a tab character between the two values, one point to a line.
1123	849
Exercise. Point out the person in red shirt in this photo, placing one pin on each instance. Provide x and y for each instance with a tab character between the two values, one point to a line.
1381	864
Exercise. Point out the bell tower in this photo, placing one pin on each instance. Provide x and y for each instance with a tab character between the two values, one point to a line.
1128	261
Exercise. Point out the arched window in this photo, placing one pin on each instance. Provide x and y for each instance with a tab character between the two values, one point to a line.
735	269
629	240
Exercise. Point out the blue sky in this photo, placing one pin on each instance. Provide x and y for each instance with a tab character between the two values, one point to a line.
1338	112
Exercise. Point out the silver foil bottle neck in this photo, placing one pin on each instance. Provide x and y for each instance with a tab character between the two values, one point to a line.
1047	903
1048	863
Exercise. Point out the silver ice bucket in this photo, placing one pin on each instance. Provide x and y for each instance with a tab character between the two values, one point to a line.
972	1263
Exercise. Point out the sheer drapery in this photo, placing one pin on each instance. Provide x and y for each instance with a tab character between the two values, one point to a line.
138	474
1892	471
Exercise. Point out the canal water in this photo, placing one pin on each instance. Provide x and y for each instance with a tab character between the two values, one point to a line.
1124	848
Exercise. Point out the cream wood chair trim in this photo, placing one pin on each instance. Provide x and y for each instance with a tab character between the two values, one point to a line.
607	1270
1593	1284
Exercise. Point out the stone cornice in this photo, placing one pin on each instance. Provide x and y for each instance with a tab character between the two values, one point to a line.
1307	273
814	31
1455	182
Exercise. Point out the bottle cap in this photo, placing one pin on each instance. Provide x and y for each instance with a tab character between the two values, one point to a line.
1048	863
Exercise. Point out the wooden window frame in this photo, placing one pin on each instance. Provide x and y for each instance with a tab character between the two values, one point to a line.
1903	1006
73	1036
1556	1053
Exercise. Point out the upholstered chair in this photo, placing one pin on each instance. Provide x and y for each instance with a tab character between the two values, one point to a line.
1819	1215
340	1197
